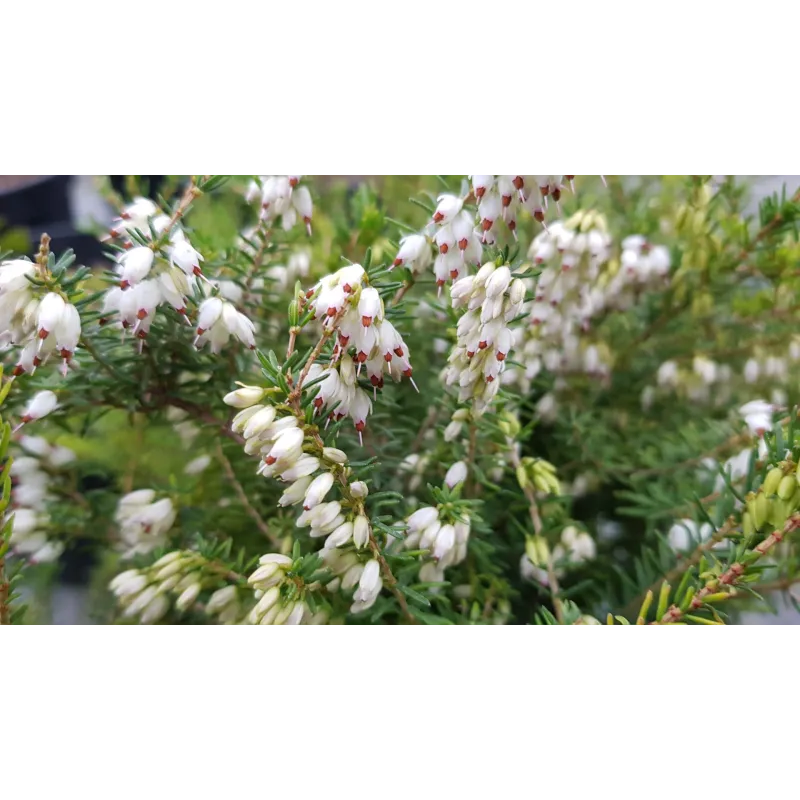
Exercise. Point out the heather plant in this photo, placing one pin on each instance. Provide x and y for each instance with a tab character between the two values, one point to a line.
477	399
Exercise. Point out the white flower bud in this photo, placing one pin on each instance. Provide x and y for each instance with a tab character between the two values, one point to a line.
208	314
360	531
245	397
317	490
370	577
498	282
259	422
305	465
197	465
359	489
334	454
187	597
369	306
155	610
296	492
40	405
220	599
288	446
242	418
49	314
422	518
456	474
445	540
449	205
136	264
340	536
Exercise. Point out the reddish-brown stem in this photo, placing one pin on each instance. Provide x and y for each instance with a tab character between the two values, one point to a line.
731	576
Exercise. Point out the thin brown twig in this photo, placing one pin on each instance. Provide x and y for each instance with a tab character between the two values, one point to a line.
243	499
192	192
401	292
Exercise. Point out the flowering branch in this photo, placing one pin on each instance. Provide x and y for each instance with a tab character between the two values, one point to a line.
357	503
722	588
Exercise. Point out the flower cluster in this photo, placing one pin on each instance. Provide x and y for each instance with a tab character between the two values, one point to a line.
40	405
166	271
218	320
364	338
445	538
492	299
181	575
414	253
31	477
457	239
579	283
282	197
351	571
269	579
295	456
459	235
502	196
36	319
144	522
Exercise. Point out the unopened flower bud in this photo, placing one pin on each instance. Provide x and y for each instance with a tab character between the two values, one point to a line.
334	454
187	597
245	397
359	489
317	490
360	531
456	474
